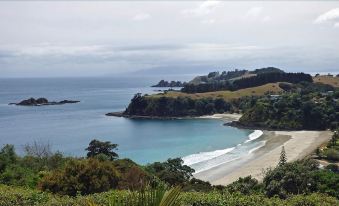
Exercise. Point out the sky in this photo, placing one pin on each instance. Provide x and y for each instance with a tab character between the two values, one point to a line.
112	38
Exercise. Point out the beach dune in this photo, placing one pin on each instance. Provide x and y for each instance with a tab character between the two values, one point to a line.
298	144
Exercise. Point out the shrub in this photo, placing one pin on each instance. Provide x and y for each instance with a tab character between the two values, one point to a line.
332	167
332	154
81	176
327	182
246	185
290	178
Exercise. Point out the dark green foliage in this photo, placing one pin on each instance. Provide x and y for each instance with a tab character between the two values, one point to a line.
25	171
286	86
164	83
197	186
291	178
264	78
327	182
335	138
18	175
81	176
308	87
7	156
293	111
267	70
12	196
238	199
175	107
332	168
245	185
283	158
217	77
332	154
97	147
260	79
173	172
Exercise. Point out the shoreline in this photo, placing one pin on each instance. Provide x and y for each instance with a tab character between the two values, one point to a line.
298	145
223	116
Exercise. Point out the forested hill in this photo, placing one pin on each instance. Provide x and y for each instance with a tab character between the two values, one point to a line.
214	77
247	82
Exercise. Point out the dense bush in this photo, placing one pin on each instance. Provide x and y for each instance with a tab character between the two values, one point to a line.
260	79
332	154
81	176
25	171
272	77
238	199
327	182
172	172
291	178
175	107
292	111
11	196
132	176
245	185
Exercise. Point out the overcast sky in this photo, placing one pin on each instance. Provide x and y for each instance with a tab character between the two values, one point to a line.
113	38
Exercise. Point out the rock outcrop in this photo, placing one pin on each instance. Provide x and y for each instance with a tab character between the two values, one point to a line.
41	102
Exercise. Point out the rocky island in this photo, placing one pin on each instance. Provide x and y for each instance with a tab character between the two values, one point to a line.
42	102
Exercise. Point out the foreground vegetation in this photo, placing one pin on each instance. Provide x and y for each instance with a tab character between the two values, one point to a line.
45	178
13	196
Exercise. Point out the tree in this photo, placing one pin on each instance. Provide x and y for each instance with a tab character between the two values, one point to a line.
7	156
38	149
97	147
334	138
283	158
245	185
291	178
172	171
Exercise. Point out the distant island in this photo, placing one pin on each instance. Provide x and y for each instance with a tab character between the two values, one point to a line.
163	83
42	102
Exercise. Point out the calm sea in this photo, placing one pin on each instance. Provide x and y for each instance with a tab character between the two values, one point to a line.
69	128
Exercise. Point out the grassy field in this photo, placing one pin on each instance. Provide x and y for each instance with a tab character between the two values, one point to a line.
227	95
334	81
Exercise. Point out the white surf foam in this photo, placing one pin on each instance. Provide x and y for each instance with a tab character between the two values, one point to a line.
262	143
208	160
254	135
203	156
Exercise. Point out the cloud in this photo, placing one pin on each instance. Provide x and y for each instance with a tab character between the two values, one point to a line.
208	21
331	16
203	9
266	19
141	17
59	50
254	12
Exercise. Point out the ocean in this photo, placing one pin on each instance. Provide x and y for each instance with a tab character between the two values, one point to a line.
202	143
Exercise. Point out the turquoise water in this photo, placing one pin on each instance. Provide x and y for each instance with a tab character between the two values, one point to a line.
69	128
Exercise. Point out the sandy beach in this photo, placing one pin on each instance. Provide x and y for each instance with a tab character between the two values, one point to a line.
298	144
223	116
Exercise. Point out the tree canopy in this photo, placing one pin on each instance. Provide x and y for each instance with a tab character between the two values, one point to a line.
97	147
